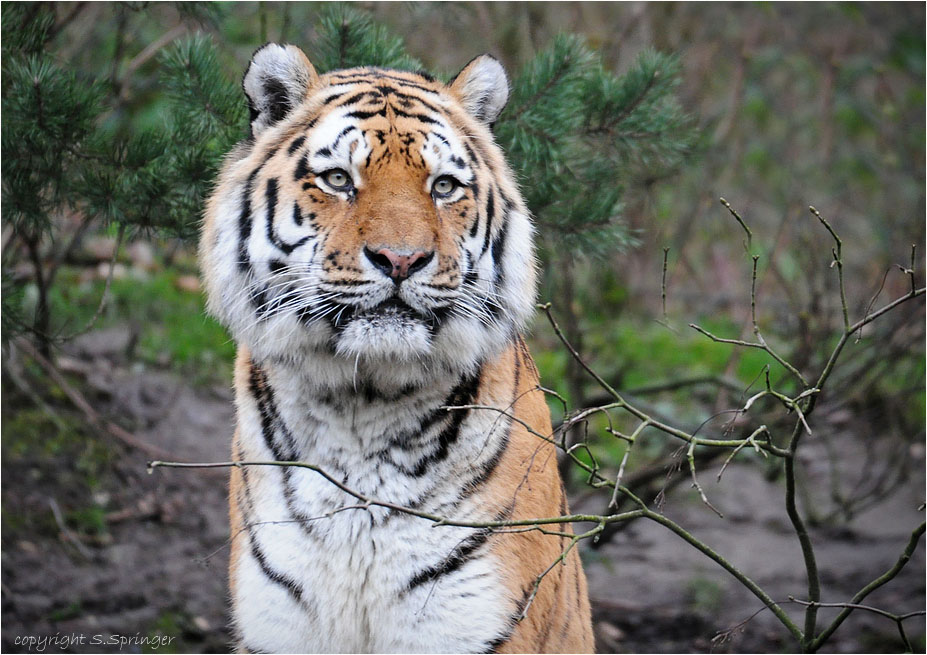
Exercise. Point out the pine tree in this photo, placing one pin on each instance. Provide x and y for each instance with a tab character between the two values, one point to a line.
61	160
573	131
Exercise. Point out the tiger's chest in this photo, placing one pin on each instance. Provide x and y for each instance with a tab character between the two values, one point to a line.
321	570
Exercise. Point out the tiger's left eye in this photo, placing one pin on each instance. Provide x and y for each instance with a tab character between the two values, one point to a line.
444	186
337	179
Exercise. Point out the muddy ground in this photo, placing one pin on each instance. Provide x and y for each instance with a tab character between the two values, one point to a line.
156	565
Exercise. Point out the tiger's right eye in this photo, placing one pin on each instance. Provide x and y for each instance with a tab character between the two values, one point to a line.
337	179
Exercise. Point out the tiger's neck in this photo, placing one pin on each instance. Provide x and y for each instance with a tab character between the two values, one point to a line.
396	428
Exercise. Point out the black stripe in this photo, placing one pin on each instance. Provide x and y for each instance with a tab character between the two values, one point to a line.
457	558
553	612
330	99
490	215
494	645
498	247
419	117
244	222
271	198
389	90
405	82
487	468
475	190
246	505
361	115
344	132
470	278
296	144
297	214
463	394
372	75
471	153
263	395
302	168
271	424
275	576
357	97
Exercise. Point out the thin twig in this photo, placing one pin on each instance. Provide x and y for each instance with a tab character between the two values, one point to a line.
84	406
436	519
838	261
898	619
690	458
749	440
624	460
66	532
869	318
105	295
747	344
859	333
537	582
150	51
749	242
889	575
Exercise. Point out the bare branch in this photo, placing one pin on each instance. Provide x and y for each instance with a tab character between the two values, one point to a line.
748	244
751	440
762	345
838	261
369	501
886	577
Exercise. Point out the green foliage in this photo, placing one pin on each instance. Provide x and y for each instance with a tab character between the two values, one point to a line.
26	29
65	154
575	133
578	133
47	133
639	354
207	117
89	520
348	38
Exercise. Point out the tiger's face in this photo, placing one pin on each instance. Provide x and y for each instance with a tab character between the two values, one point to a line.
370	218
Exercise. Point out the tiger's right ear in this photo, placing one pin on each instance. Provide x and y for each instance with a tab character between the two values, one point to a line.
277	81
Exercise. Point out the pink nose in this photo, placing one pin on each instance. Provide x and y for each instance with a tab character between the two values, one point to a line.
396	266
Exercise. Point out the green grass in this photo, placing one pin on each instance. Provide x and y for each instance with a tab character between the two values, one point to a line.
173	328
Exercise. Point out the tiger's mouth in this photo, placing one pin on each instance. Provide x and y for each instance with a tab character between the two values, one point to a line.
390	312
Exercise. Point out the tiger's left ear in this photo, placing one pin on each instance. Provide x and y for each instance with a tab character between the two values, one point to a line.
482	88
277	81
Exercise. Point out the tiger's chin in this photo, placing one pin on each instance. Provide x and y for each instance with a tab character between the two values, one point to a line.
390	331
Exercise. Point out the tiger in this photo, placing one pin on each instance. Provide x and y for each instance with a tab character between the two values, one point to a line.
369	251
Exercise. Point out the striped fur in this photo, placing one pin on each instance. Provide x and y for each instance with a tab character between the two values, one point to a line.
340	366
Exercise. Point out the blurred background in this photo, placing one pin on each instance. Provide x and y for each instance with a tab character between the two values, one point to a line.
109	360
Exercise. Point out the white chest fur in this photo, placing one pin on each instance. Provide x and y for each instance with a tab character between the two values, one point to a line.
321	573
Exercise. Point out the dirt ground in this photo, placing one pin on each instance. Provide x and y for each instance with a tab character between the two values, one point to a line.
159	566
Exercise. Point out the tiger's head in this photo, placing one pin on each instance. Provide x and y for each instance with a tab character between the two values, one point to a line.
370	219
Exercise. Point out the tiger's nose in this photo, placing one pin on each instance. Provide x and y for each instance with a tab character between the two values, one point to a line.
396	266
